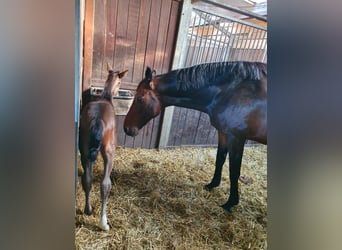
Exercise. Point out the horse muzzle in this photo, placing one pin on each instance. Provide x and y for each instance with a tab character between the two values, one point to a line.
133	131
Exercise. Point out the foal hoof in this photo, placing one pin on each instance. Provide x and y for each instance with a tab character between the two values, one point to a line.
104	227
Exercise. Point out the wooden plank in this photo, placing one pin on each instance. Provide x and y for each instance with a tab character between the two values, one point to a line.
153	34
111	14
178	61
131	40
155	131
121	35
178	133
174	126
196	116
144	18
162	36
120	134
88	43
99	35
149	59
129	141
202	130
190	125
171	36
212	136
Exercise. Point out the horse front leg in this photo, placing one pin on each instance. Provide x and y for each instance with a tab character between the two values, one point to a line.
87	180
235	148
221	156
106	185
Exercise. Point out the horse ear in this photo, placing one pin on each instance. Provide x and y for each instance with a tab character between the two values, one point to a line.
152	85
148	73
123	74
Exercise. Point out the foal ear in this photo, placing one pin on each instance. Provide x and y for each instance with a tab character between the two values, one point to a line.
148	73
109	68
123	74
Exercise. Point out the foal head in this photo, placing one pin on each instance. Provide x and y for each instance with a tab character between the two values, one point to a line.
113	82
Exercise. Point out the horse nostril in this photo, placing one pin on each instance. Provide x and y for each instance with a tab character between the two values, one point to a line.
131	131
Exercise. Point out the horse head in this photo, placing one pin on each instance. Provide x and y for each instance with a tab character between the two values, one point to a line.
146	105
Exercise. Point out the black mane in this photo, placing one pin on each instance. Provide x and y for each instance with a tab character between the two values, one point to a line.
209	74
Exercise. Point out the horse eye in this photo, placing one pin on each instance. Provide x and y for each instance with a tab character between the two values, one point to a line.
140	99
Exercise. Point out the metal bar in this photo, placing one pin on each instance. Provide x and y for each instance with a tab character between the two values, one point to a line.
264	43
213	50
200	41
193	45
187	61
245	47
206	48
230	18
256	40
217	41
209	46
218	45
257	31
79	18
235	9
230	43
233	52
265	55
259	44
225	48
239	44
214	22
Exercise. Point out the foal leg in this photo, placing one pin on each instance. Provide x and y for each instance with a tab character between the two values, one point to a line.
106	184
221	155
235	148
87	180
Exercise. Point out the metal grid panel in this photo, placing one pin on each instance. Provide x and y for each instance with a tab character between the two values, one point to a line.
213	38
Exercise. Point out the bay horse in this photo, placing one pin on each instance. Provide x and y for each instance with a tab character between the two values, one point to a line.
98	133
233	94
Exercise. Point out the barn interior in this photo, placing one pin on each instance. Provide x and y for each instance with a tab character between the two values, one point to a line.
157	200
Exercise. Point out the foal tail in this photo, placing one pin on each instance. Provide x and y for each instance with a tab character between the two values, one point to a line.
96	135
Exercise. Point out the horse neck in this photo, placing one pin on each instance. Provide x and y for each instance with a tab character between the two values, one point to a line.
170	94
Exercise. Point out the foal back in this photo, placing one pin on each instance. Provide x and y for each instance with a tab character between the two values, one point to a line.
97	128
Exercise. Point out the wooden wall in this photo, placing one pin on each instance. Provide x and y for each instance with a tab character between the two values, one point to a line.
130	34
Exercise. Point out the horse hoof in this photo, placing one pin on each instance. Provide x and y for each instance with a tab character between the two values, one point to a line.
104	227
209	187
228	206
88	210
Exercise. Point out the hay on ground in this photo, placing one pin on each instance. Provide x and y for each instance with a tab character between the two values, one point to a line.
158	201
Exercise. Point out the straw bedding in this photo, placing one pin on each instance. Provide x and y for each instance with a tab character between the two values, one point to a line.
158	202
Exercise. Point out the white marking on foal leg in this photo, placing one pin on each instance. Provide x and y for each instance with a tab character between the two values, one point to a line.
103	223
